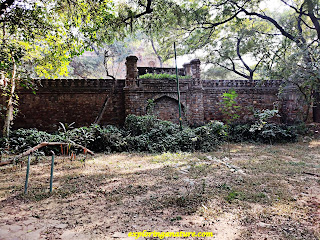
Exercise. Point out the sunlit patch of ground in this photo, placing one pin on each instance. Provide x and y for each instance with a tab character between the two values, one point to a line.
314	143
261	192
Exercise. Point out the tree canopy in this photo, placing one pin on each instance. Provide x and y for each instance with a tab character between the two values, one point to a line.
39	38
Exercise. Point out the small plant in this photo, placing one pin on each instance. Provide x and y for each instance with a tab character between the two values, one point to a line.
230	111
234	195
65	126
229	108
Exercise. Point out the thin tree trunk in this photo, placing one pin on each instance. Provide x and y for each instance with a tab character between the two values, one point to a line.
9	112
103	109
108	97
155	51
316	107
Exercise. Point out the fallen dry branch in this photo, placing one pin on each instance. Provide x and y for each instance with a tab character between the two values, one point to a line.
43	144
311	174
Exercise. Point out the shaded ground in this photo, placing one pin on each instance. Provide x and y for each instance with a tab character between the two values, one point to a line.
263	192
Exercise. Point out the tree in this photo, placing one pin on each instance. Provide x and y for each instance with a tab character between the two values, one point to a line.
31	41
38	38
240	48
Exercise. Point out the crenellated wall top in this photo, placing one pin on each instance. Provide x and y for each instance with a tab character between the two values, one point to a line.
76	84
242	83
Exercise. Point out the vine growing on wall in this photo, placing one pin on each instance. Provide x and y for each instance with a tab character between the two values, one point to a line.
150	107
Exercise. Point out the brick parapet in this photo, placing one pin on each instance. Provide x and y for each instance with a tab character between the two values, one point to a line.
275	84
74	85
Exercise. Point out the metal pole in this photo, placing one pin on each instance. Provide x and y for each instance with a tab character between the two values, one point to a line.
51	176
178	90
27	176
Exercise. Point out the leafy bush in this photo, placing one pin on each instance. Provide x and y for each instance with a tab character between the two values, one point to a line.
149	134
136	125
23	139
241	133
268	133
162	76
107	139
210	135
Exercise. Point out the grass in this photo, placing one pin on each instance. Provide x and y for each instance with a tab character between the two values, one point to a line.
276	196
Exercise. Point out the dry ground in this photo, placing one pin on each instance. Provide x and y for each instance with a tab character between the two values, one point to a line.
263	192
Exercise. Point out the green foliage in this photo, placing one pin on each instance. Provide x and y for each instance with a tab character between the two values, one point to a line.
107	139
23	139
269	133
153	135
264	132
209	136
150	106
262	117
233	195
149	134
229	107
163	76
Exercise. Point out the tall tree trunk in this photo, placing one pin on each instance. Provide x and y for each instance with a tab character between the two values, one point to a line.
316	107
156	52
9	112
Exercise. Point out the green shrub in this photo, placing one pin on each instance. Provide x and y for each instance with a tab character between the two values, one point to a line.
136	125
23	139
106	139
209	136
162	76
241	133
268	133
149	134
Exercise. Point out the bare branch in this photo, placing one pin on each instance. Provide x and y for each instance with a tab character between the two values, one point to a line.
147	11
294	8
313	17
4	6
213	25
240	57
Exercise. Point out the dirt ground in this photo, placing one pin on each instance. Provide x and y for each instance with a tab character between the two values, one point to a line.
261	192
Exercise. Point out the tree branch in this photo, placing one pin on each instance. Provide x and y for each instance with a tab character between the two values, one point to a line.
155	51
294	8
313	17
4	5
240	57
269	19
213	25
147	11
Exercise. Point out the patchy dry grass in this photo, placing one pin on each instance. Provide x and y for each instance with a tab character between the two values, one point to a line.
274	195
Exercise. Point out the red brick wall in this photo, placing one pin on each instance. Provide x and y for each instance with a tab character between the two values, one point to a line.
80	101
251	96
167	108
68	101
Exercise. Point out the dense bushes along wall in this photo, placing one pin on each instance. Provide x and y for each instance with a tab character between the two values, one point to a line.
149	134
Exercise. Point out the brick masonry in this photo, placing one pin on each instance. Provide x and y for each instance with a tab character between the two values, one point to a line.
80	101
